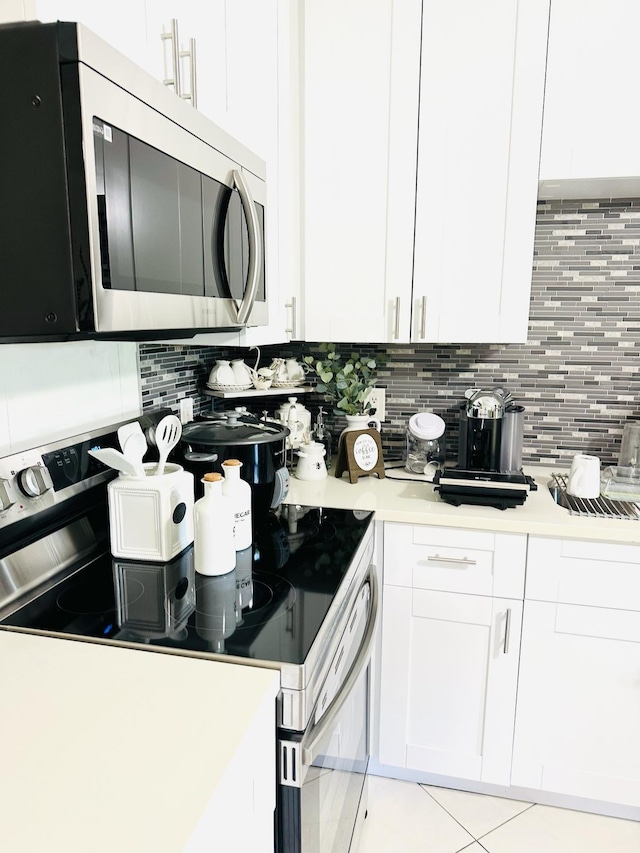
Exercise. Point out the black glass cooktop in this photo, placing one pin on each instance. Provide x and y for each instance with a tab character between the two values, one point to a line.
269	608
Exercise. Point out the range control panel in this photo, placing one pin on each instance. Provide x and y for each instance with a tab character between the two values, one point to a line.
43	477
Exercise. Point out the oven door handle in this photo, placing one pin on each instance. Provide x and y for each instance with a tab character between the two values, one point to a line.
255	247
313	736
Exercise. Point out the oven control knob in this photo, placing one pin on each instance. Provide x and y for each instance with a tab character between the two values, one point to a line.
6	501
34	481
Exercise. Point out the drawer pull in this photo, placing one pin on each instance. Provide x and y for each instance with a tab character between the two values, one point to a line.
507	631
462	561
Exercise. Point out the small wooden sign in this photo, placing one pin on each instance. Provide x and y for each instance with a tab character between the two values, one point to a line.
360	453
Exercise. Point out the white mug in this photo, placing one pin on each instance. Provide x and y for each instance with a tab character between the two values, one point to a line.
584	477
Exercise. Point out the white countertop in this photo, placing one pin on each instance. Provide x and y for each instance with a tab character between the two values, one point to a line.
105	748
419	503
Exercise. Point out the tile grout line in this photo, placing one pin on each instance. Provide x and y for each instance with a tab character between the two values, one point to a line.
508	820
449	813
484	835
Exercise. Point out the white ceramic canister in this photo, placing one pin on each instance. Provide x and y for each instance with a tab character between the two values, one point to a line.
214	548
239	492
298	419
151	517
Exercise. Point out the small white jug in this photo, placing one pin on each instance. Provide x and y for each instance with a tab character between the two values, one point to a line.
311	462
584	477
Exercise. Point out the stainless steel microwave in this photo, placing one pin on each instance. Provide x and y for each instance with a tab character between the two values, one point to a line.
124	213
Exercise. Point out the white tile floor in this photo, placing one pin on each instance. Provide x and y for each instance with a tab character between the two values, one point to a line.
404	816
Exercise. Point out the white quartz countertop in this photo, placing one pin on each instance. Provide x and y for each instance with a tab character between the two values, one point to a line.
419	503
106	748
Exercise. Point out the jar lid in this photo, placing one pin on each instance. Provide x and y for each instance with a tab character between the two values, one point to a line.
426	425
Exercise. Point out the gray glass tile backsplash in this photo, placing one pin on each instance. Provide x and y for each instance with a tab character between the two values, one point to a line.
577	375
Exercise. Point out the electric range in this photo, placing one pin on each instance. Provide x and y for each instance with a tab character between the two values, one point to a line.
302	599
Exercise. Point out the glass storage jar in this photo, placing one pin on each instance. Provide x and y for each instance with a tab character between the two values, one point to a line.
425	450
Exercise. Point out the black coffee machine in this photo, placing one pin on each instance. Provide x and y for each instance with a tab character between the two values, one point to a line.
490	432
489	470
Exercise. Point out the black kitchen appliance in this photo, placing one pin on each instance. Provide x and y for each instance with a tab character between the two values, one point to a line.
258	444
149	218
489	470
303	599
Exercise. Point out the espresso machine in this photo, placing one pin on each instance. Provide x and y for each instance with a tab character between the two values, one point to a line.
489	470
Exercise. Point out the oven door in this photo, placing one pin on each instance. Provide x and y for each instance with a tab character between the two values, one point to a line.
176	229
322	771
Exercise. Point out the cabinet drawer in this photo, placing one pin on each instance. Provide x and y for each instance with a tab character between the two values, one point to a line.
572	571
449	559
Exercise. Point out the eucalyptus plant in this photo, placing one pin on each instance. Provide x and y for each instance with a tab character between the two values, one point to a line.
345	383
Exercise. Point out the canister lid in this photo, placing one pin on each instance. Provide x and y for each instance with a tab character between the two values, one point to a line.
231	463
426	425
212	477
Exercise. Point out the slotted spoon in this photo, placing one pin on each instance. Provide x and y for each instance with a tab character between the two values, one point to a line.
167	435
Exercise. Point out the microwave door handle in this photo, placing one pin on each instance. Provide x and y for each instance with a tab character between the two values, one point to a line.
313	737
255	247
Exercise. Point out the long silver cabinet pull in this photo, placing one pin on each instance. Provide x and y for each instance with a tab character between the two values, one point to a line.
293	331
507	631
423	318
192	94
396	326
172	35
255	247
463	561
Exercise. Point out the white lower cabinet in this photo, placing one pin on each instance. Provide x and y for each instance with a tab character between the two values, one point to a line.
449	662
579	702
579	690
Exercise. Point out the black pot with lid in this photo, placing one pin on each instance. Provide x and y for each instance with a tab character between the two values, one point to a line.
258	444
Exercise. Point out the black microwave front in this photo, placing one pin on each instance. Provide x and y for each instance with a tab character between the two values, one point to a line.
124	213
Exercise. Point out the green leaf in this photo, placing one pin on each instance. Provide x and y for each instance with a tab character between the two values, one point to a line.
308	359
341	385
320	388
348	368
326	376
372	364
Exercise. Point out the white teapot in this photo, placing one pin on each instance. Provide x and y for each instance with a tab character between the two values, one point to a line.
295	371
242	374
221	374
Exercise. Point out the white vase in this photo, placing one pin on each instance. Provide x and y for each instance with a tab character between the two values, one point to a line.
360	422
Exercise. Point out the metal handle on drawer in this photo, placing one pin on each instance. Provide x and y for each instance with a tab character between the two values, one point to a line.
175	56
423	318
192	94
293	331
507	632
465	561
396	327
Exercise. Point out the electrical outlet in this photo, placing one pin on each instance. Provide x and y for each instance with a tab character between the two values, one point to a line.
186	410
377	397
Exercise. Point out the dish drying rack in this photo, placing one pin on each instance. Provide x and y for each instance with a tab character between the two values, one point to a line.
601	507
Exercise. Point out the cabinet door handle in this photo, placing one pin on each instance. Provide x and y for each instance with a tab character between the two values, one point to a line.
462	561
423	318
192	94
172	36
507	631
293	331
396	326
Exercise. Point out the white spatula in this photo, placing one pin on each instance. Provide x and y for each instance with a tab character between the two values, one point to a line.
167	434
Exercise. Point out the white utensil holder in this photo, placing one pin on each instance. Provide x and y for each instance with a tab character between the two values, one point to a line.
151	518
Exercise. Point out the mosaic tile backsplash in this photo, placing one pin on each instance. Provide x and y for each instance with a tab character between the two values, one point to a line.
577	376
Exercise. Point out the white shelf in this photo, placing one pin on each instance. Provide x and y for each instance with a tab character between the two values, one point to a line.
252	392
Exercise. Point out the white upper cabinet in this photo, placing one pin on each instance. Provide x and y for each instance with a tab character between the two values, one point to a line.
481	93
591	125
422	127
360	96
